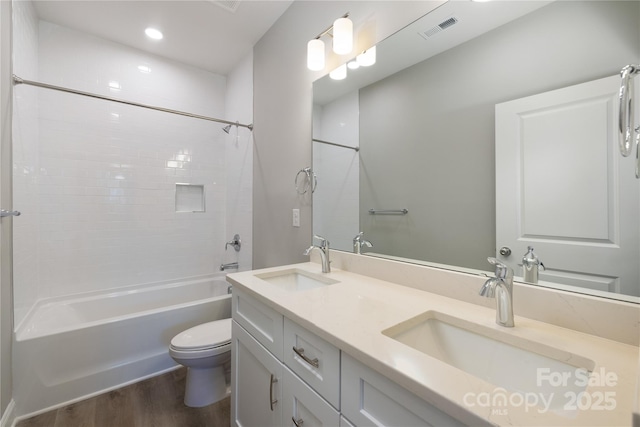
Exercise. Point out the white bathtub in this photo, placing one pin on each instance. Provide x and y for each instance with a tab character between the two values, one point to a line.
69	349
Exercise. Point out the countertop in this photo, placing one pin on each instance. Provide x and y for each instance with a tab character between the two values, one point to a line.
352	313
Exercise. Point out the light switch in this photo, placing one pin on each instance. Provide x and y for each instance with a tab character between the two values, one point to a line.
296	217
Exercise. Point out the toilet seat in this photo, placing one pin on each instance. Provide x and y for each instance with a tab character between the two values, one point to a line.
201	338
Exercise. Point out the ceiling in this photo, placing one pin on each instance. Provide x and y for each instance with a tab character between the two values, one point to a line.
212	35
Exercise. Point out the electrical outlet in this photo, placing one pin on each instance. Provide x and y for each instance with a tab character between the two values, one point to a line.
296	217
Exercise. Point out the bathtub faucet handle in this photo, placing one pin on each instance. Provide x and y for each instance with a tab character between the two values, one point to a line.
236	243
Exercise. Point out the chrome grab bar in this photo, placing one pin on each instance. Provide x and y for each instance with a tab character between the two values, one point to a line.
388	211
300	352
272	381
626	118
4	213
335	144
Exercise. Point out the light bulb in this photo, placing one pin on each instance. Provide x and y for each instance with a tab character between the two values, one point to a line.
315	55
368	57
342	36
153	33
339	73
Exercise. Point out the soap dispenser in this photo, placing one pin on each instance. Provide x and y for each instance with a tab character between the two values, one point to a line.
531	265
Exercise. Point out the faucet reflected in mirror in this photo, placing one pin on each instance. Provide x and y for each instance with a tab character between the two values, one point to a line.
360	241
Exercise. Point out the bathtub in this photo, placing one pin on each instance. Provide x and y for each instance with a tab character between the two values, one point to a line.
70	349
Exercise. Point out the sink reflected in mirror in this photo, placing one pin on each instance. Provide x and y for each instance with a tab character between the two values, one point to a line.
296	279
502	359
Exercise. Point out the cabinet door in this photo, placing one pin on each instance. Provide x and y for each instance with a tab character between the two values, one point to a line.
256	382
303	406
370	399
344	422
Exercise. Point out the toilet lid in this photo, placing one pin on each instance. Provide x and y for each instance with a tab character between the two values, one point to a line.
208	335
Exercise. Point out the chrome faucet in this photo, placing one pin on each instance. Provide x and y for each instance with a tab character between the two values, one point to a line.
359	241
501	288
324	253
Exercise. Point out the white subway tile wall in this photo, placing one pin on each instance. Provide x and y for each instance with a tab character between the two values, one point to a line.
26	158
98	190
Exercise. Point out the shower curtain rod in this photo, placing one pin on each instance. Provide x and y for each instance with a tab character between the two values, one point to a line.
17	80
335	144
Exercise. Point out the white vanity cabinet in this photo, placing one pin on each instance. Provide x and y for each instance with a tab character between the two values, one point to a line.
265	391
371	399
314	360
256	382
284	375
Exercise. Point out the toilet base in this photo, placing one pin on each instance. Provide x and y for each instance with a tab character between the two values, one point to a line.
205	386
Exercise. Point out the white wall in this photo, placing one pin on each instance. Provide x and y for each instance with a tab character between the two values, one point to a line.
336	200
6	325
283	113
101	182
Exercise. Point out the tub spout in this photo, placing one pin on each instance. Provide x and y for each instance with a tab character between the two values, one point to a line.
232	265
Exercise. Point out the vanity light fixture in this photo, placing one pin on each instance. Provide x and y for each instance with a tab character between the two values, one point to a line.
153	33
339	73
353	65
342	33
368	57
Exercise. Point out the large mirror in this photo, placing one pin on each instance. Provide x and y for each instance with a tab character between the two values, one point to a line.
484	129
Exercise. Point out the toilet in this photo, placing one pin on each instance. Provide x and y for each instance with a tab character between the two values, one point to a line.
205	350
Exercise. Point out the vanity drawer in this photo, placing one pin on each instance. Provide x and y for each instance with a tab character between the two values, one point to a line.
314	360
305	406
261	321
369	398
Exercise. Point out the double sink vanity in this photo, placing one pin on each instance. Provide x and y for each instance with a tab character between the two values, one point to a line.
347	348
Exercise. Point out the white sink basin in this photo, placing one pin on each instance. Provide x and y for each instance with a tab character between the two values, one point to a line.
296	280
536	371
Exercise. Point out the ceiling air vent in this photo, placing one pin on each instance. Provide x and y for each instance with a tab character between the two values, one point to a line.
229	5
449	22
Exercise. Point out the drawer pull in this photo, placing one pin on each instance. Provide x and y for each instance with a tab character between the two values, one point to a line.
271	400
300	352
297	423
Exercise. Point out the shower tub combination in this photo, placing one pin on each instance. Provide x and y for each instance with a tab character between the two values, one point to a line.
70	349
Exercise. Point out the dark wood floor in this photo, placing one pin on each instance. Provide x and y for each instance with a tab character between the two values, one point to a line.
156	402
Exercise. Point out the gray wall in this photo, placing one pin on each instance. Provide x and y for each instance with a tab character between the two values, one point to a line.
6	306
283	110
427	133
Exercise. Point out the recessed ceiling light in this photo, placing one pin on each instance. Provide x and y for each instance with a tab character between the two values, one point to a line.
153	33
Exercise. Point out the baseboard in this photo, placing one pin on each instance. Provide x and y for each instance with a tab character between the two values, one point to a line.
9	416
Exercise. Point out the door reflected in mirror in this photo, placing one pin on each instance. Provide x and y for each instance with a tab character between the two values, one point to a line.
496	132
